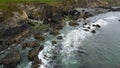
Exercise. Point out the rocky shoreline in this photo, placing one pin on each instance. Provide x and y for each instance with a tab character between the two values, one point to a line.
35	22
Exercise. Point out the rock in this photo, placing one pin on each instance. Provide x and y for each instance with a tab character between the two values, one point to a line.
86	15
96	25
30	44
85	24
73	23
60	37
114	9
53	42
39	36
86	30
119	20
88	27
34	52
36	62
93	31
74	14
11	60
54	32
14	35
35	66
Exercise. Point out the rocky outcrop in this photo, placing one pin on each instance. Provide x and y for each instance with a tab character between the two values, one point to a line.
33	56
11	60
34	52
13	35
54	32
30	44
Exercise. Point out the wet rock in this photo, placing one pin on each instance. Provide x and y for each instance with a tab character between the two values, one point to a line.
88	27
93	31
72	23
53	42
11	60
30	44
34	52
36	62
74	14
54	32
86	30
60	37
96	25
114	9
86	15
119	20
39	36
85	24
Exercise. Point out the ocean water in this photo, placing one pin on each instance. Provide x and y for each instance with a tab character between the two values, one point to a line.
83	49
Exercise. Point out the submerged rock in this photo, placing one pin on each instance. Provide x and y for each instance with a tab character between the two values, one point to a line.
11	60
53	42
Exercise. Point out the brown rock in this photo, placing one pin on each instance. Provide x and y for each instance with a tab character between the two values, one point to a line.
36	62
54	32
34	52
73	23
39	36
11	60
30	44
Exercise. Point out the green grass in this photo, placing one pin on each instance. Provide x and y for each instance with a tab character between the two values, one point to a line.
42	1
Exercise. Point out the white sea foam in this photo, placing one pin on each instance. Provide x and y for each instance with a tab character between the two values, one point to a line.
74	39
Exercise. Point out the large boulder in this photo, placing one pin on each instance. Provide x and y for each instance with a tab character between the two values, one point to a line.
11	60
